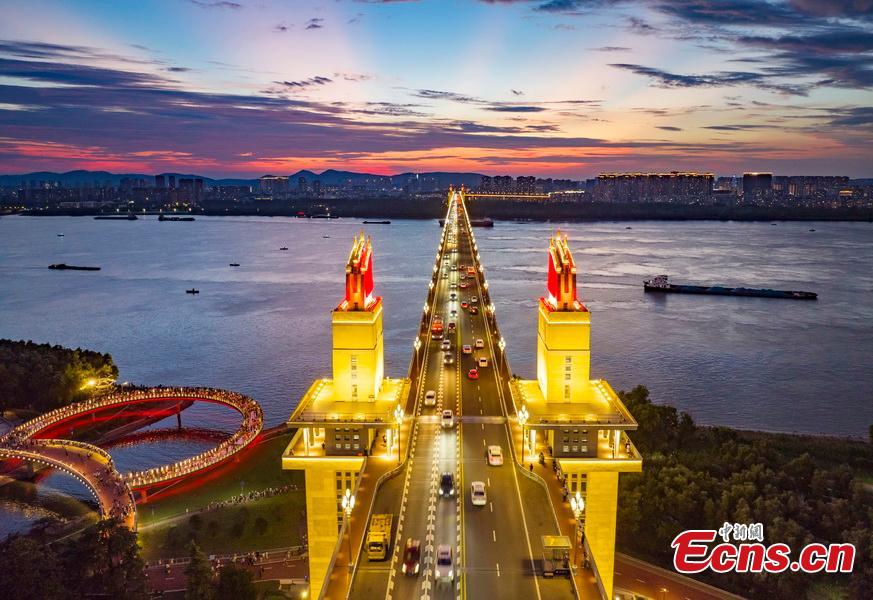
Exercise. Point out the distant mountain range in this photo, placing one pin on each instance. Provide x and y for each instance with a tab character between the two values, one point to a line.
329	177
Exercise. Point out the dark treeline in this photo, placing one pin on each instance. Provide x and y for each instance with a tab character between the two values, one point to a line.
802	489
42	377
102	562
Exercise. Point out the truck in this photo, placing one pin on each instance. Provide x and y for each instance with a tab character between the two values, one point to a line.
379	536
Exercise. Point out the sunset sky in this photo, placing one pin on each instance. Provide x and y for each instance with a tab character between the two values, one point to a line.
558	88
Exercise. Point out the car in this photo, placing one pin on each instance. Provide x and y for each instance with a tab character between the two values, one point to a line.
436	335
464	285
453	313
452	325
454	267
453	296
462	267
447	485
430	398
445	564
479	343
473	373
466	349
495	456
446	345
453	285
411	557
477	493
445	275
447	420
464	305
483	361
474	300
448	359
462	277
474	310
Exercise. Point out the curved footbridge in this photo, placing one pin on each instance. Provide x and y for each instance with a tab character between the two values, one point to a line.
93	467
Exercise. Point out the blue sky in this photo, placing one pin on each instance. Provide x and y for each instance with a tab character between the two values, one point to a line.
564	88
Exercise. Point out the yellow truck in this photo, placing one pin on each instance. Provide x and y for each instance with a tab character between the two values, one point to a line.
379	537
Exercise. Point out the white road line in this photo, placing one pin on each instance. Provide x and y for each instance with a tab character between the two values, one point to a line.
494	535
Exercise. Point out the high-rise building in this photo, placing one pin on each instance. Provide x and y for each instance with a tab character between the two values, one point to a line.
273	184
160	182
172	181
673	187
757	187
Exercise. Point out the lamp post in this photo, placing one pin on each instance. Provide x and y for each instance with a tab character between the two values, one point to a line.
398	418
348	504
577	505
523	416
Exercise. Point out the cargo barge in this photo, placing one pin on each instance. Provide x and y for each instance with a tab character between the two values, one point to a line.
66	267
662	284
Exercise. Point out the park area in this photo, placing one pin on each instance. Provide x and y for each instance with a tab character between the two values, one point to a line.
247	505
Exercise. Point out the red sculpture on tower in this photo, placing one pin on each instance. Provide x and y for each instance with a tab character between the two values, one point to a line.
561	283
359	277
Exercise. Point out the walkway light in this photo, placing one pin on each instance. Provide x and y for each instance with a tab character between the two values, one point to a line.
416	344
502	343
348	504
577	505
523	416
398	418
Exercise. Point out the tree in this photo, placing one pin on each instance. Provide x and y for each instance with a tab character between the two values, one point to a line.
29	571
105	561
199	574
235	583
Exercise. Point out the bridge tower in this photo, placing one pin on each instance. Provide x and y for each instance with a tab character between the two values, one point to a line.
341	422
358	353
563	331
580	422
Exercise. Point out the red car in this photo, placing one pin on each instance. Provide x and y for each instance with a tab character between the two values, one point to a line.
474	310
473	374
464	305
412	557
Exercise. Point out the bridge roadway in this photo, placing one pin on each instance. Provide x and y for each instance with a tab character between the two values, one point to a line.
495	546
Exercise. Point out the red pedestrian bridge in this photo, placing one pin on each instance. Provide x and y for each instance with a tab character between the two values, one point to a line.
34	442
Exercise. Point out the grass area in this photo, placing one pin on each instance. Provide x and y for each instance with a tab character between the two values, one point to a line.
167	524
258	525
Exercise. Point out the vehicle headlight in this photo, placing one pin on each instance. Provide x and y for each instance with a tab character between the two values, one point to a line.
403	568
451	492
451	573
416	568
436	573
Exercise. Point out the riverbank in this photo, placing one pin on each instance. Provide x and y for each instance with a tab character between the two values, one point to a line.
801	488
511	210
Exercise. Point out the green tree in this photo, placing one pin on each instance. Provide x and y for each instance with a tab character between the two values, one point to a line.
105	560
29	571
199	574
235	583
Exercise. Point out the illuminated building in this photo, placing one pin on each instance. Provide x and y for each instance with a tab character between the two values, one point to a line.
340	420
582	420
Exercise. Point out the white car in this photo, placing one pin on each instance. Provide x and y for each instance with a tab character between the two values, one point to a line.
483	361
453	285
446	345
445	564
480	343
477	493
448	421
466	349
430	398
474	300
495	456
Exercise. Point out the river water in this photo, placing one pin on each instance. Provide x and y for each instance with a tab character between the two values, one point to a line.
263	328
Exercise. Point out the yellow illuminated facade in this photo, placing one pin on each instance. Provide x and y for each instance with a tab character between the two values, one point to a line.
581	421
339	420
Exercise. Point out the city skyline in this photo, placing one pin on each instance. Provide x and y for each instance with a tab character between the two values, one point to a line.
560	88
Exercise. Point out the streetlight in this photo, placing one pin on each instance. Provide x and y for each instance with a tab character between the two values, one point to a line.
522	419
398	418
577	505
348	505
